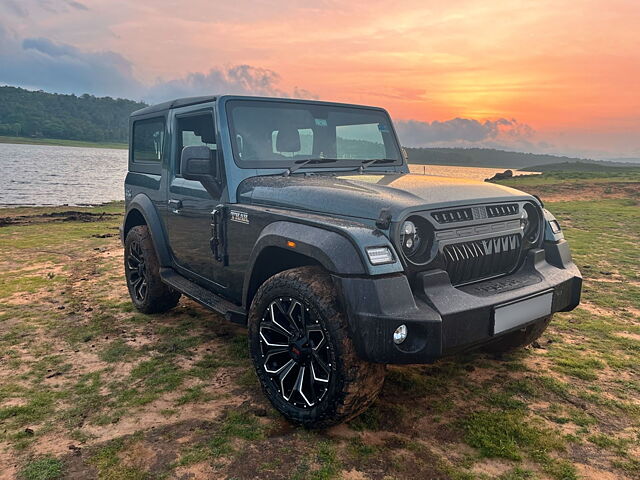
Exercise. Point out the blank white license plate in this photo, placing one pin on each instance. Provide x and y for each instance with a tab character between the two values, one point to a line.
519	313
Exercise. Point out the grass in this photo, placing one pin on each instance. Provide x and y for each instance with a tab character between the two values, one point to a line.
173	395
44	468
61	142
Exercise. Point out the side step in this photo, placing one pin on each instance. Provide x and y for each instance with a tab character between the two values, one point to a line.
231	311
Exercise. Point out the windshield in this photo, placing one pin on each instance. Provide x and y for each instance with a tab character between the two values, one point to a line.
268	134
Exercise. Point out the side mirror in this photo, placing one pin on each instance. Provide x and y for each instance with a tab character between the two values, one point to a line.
196	163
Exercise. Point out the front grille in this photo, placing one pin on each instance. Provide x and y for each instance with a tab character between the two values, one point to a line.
502	210
467	262
455	215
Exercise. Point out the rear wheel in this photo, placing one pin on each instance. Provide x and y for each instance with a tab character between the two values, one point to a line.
142	271
302	352
519	338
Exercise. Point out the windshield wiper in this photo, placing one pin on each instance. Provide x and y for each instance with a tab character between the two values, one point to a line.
373	161
301	163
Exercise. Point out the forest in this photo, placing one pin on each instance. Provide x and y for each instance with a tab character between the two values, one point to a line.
38	114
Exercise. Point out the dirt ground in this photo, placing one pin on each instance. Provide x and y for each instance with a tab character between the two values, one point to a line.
90	388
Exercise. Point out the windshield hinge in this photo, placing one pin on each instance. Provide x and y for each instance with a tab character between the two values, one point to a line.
384	219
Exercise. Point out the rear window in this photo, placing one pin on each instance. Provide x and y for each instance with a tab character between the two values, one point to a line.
148	140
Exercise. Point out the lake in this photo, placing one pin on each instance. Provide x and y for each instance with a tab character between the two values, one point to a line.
51	175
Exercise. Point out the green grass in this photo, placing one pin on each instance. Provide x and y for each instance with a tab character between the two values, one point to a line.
61	142
506	434
532	410
238	425
44	468
109	464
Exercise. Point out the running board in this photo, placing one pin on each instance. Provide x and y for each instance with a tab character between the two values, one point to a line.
231	311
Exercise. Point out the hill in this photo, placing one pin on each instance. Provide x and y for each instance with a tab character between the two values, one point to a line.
29	114
482	157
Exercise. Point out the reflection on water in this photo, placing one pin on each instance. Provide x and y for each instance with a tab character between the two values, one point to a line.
50	175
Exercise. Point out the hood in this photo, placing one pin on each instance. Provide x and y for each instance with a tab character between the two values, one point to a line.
363	195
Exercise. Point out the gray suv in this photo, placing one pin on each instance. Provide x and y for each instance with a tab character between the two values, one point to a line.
300	220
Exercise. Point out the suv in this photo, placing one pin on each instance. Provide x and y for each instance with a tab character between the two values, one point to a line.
300	220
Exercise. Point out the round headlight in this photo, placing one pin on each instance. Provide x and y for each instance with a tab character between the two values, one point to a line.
410	238
530	222
415	238
524	220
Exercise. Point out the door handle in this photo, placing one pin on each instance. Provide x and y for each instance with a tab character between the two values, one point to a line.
175	205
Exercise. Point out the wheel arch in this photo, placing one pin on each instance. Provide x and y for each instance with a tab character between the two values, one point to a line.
141	211
284	245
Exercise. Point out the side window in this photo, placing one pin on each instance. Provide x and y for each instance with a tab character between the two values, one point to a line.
148	140
194	130
360	141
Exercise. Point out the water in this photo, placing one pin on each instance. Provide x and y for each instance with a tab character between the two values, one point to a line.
51	175
474	173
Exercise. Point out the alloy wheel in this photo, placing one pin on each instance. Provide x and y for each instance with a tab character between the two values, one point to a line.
296	352
137	272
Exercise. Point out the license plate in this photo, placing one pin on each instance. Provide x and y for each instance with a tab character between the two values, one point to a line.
512	315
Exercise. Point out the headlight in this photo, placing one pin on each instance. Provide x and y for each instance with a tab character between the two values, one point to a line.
410	238
524	220
415	239
530	222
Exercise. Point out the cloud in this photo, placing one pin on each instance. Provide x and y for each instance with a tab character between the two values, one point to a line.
49	65
41	63
77	5
236	79
465	132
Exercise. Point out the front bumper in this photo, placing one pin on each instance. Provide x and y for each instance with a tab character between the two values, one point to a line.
442	319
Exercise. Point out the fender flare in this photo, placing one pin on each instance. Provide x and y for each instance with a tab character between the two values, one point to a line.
147	209
333	251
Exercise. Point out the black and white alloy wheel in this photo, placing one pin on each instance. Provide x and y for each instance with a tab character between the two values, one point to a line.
303	353
136	271
295	351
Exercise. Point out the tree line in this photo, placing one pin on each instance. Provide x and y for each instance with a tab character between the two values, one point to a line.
38	114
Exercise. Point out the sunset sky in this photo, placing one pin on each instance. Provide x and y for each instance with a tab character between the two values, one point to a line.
545	76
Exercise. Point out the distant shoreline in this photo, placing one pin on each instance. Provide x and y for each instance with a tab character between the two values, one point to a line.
61	143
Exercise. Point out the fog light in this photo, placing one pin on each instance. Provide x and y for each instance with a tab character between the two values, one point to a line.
379	255
400	335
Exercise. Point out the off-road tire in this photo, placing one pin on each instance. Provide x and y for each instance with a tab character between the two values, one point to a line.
519	338
353	383
157	296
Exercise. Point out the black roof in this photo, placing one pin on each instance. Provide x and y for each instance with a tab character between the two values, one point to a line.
178	102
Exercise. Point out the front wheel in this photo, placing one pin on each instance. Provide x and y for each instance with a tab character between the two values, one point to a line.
302	352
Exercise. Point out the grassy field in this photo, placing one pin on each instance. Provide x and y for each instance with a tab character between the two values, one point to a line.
89	388
59	142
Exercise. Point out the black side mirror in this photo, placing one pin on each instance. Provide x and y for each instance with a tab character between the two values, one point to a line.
196	163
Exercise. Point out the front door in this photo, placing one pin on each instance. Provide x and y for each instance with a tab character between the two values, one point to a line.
189	204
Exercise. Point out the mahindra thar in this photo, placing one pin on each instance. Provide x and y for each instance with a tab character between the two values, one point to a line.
300	220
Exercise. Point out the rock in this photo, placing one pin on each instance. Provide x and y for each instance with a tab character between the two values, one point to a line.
29	431
500	176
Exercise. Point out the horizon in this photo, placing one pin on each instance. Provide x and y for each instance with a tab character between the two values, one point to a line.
520	77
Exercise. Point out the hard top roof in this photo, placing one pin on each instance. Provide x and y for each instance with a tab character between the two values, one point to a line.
178	102
186	101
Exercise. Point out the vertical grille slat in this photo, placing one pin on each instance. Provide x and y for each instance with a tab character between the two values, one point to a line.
502	210
478	259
